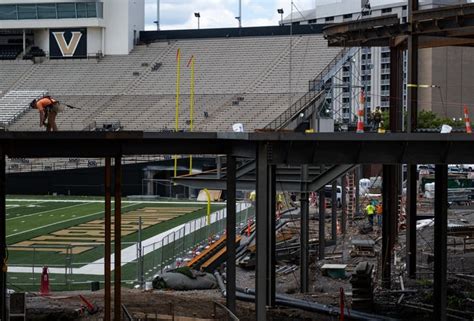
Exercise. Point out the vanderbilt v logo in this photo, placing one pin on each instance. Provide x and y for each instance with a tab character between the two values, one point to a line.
68	49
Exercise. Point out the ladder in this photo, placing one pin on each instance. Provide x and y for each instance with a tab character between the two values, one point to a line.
350	183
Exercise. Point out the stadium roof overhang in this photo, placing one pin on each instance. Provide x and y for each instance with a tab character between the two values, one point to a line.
286	148
439	27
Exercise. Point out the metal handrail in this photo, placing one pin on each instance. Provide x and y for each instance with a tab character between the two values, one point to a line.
127	314
231	315
316	86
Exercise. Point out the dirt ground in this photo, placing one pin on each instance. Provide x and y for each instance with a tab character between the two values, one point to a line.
414	303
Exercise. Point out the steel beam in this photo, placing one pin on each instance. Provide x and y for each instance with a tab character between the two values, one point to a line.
322	224
344	204
304	236
440	243
271	253
230	228
3	239
389	217
412	195
412	71
262	233
334	210
118	240
108	238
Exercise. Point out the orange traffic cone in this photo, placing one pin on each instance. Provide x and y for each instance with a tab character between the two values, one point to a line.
360	121
467	120
44	289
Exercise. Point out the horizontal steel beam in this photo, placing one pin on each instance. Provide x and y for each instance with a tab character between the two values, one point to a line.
284	147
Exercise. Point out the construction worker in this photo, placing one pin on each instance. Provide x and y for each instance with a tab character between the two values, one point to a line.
378	210
280	201
48	109
376	118
370	209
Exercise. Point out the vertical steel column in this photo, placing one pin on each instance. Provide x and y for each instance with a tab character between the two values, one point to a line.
396	89
322	224
3	238
411	220
412	71
108	238
344	204
230	228
304	236
412	121
118	239
261	236
389	198
357	193
334	210
440	242
271	285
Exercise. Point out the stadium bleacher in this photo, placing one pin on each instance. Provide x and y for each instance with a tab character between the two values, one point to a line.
15	103
242	80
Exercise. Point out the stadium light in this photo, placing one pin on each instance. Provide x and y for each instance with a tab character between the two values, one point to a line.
198	15
281	12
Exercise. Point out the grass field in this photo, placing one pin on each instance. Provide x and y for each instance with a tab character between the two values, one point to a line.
59	221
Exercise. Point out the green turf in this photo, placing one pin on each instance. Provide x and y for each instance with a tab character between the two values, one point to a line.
29	217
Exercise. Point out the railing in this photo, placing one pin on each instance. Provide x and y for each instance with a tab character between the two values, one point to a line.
125	314
171	249
315	90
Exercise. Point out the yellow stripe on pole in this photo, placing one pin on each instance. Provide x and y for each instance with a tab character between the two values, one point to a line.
420	86
178	81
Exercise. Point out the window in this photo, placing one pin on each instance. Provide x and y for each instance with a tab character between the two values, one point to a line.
347	16
312	21
60	10
8	12
47	11
329	19
81	10
91	10
366	13
386	10
66	10
27	11
404	7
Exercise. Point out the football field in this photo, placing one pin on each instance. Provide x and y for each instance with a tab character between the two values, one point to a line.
67	235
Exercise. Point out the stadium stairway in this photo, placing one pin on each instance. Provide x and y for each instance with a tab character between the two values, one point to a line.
14	103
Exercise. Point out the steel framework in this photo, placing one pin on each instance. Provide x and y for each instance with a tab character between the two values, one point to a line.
269	149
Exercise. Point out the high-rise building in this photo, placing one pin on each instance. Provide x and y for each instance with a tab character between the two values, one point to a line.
369	68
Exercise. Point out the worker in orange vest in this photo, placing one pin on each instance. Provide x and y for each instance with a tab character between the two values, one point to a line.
48	109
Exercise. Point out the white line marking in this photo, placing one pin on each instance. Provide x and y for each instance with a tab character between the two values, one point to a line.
52	224
57	209
102	201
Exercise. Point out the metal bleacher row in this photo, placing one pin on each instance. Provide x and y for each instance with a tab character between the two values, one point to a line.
242	80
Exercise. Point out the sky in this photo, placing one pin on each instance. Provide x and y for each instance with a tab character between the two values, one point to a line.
179	14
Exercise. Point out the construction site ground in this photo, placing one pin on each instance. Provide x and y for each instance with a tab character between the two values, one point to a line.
407	299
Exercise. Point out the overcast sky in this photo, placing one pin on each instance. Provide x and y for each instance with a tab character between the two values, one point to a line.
179	14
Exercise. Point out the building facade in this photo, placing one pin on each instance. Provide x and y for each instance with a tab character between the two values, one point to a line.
369	69
74	28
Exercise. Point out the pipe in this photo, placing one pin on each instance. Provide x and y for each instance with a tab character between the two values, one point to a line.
249	296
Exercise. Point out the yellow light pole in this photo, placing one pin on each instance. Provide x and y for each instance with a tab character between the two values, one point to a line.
191	108
208	195
178	79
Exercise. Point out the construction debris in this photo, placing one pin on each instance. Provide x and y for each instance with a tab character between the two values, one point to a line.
362	287
184	279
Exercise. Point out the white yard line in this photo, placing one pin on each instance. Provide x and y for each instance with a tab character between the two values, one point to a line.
123	201
48	211
130	253
60	222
